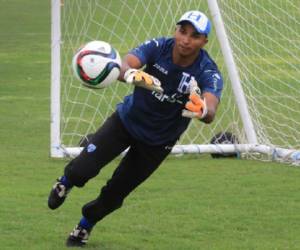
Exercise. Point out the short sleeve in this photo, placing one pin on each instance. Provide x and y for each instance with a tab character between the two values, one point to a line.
212	81
148	51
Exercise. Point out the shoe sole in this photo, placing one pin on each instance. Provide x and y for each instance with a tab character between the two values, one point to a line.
74	243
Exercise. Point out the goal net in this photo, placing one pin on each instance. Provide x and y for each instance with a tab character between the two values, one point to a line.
263	39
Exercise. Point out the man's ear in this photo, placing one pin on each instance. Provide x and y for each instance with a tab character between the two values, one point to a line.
204	42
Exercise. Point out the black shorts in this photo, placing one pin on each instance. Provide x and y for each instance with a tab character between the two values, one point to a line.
140	161
110	140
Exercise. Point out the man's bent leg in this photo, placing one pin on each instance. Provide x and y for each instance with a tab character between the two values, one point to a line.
138	164
107	143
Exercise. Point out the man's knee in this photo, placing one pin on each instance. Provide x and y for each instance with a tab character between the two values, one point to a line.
80	170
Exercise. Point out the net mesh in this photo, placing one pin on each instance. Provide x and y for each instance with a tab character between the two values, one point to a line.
264	36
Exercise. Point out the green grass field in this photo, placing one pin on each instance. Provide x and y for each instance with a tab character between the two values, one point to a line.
191	202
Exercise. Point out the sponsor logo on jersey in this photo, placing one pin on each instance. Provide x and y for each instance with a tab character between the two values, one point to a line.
176	97
160	68
183	89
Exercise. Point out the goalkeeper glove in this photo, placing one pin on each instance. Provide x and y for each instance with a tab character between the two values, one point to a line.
142	79
196	107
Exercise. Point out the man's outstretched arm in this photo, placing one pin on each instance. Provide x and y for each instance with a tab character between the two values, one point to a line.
131	73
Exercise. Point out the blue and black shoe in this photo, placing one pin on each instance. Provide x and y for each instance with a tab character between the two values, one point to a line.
58	193
78	237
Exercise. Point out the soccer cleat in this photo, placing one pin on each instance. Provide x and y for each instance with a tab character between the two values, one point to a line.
58	194
78	237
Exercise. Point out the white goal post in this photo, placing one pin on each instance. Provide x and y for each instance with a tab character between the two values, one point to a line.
256	45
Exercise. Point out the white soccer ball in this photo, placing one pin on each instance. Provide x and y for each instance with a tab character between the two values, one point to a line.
97	64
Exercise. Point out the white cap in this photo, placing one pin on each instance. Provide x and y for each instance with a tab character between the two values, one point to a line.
198	19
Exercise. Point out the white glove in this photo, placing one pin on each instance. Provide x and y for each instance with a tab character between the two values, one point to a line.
142	79
196	107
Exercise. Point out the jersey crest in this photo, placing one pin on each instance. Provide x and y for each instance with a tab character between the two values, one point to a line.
184	85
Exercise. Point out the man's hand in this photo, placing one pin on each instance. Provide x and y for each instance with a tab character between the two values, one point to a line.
142	79
196	107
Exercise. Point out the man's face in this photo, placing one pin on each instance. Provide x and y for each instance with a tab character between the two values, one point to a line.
187	40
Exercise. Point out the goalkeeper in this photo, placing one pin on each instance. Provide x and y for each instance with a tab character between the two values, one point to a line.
179	82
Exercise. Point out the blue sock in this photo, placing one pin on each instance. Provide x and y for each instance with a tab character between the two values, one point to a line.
66	182
84	223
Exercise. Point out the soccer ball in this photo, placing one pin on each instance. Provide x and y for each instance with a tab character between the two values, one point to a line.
97	64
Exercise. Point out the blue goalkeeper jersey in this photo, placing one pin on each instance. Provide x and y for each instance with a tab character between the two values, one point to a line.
155	118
